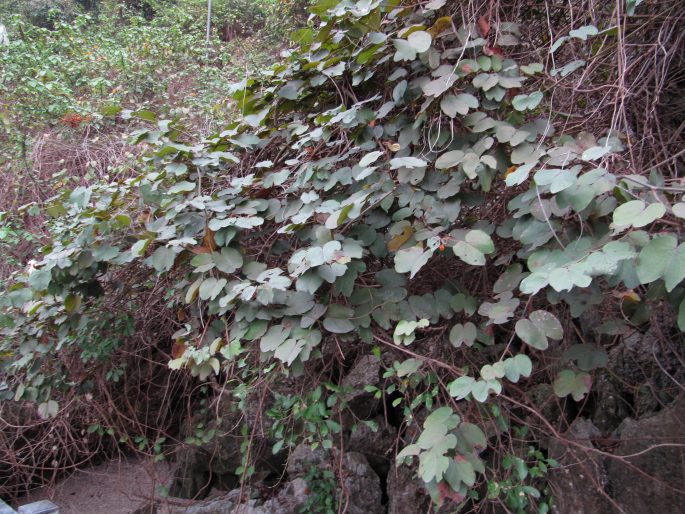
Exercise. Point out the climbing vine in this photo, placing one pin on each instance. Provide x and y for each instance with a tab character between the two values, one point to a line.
395	183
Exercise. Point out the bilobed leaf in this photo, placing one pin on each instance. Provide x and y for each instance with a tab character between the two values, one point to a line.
369	158
679	209
452	105
409	367
463	334
519	175
40	279
338	325
461	387
211	287
587	356
570	383
584	32
596	152
536	330
48	409
527	102
407	162
518	366
228	260
654	258
473	435
474	247
273	338
465	470
636	213
162	259
480	391
449	159
420	41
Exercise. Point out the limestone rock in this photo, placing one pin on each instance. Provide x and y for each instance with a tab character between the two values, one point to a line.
405	493
648	482
581	479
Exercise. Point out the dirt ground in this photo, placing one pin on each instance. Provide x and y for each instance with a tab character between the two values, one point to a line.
114	487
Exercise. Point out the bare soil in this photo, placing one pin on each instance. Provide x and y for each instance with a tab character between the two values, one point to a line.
114	487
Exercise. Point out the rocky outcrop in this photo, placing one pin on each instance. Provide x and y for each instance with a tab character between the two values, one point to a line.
578	485
405	494
651	454
644	474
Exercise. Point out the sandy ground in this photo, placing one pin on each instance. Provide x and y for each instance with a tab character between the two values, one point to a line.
115	487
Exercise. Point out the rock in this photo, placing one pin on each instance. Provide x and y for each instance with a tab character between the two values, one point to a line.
214	463
610	408
360	404
289	500
361	490
659	471
361	486
548	403
406	495
303	458
377	447
147	508
646	368
580	481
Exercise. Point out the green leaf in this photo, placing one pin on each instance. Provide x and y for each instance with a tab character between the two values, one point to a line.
527	102
461	387
452	105
338	325
474	247
228	260
182	187
473	435
211	287
273	338
587	356
520	175
407	162
480	391
162	259
409	367
636	213
411	260
420	41
518	366
541	326
584	32
48	409
72	302
465	470
571	383
202	262
679	209
145	115
463	334
449	160
596	152
369	159
654	258
40	279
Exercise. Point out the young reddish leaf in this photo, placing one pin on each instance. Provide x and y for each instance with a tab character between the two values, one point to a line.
483	26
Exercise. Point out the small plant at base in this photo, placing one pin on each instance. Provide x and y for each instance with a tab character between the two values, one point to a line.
321	497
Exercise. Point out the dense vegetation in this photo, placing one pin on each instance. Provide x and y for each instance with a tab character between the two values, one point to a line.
447	189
